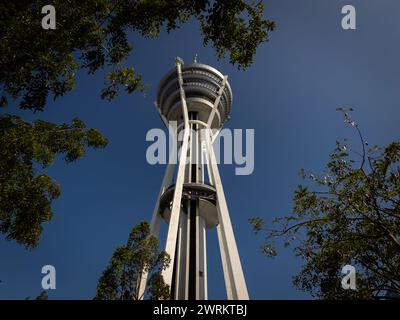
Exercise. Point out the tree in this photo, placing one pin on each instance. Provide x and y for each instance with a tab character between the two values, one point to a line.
42	296
36	64
25	194
92	34
121	279
350	214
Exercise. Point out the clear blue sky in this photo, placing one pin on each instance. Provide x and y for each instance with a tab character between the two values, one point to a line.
289	96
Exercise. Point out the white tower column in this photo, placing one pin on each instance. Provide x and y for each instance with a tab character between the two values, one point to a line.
176	202
234	278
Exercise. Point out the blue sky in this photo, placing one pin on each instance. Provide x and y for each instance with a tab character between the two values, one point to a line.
310	67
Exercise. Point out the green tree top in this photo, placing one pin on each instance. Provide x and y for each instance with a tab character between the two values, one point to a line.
122	277
92	34
25	194
349	214
42	296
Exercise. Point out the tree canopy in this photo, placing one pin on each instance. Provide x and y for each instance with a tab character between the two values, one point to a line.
26	192
42	296
121	279
349	214
36	63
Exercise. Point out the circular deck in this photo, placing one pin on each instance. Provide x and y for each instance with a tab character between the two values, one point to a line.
201	84
204	193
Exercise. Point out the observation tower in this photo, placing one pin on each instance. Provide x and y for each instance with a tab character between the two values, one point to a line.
198	99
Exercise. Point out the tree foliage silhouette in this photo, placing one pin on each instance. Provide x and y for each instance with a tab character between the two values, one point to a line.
25	194
92	34
122	277
350	214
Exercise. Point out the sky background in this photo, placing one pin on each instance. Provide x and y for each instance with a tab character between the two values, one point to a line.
289	95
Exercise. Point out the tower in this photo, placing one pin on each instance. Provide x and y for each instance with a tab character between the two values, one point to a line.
198	99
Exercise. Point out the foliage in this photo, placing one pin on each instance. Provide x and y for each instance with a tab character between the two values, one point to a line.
228	31
348	215
25	192
42	296
92	34
125	76
122	277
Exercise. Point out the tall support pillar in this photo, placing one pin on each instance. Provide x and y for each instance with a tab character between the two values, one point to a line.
176	202
155	221
201	248
182	260
201	260
233	272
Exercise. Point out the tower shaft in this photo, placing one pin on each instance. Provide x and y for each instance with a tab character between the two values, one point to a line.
189	279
